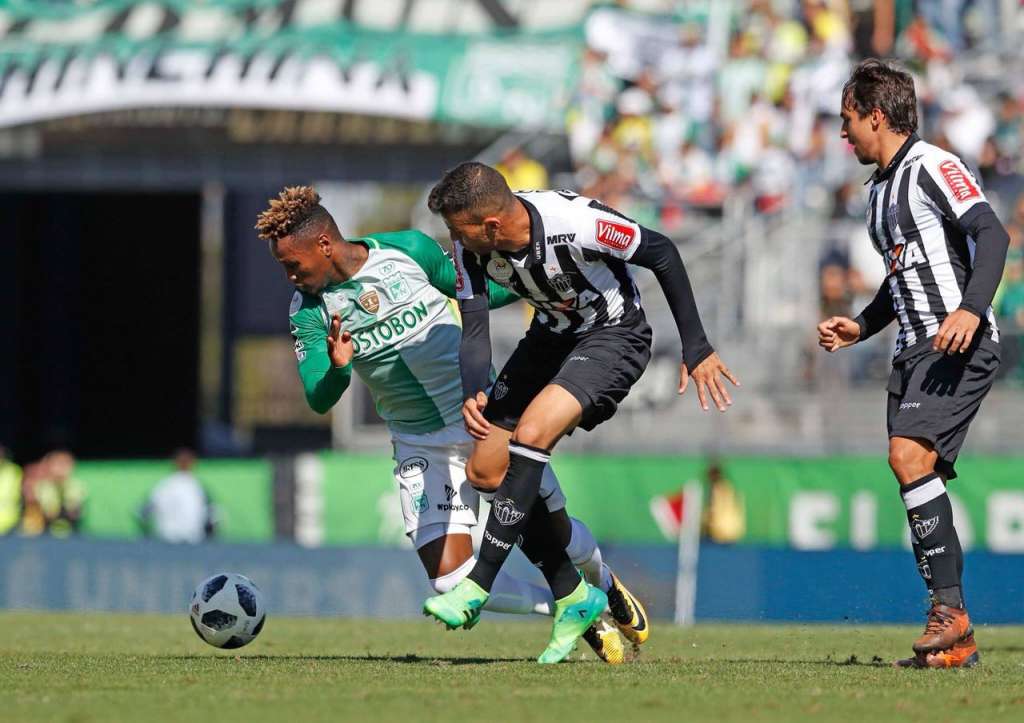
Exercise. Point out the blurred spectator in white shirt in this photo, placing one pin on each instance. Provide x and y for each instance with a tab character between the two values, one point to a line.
178	508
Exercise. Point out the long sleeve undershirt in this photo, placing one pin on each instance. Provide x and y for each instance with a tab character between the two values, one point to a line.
659	254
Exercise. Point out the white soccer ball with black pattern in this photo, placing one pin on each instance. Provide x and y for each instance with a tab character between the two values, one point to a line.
227	610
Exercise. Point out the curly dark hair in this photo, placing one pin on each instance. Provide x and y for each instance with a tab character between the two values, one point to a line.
294	208
473	187
876	84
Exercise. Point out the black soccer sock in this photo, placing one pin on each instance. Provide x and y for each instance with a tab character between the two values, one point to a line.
930	515
541	544
510	509
922	565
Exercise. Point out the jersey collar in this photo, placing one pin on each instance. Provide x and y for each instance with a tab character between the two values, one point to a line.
537	248
883	173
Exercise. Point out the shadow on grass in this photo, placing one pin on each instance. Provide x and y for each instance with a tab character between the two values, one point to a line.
405	659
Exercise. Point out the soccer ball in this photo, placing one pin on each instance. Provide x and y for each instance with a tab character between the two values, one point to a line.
227	610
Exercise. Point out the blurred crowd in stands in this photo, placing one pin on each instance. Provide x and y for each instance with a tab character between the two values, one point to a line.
678	114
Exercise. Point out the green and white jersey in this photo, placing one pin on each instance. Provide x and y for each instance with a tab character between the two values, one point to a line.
405	333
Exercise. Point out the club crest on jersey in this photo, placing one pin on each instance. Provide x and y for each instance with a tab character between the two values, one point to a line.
892	218
370	301
500	270
617	236
397	288
958	180
561	283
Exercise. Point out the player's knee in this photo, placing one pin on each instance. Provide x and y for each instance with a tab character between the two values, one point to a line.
533	434
445	582
484	477
907	461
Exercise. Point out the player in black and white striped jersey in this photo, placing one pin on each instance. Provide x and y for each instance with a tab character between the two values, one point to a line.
944	250
589	342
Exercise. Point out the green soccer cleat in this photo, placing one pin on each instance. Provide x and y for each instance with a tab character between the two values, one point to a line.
574	614
459	607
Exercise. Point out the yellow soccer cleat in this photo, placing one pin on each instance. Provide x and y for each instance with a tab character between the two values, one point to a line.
606	642
628	613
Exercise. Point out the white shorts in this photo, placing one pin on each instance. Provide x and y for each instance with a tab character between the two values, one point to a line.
437	499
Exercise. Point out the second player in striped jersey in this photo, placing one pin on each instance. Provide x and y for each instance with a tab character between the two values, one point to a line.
944	251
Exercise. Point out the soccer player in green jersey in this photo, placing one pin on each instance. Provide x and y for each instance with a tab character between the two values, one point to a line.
382	306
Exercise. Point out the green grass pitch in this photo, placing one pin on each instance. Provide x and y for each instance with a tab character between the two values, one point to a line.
116	667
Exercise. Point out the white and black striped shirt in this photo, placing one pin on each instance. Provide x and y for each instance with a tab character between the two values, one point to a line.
915	212
574	271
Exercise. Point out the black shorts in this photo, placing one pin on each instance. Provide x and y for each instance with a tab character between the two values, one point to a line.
934	396
597	368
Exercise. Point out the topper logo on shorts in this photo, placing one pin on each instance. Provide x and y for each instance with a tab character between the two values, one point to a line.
506	513
412	467
616	236
958	180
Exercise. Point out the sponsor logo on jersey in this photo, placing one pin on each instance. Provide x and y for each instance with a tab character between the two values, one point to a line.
959	181
617	236
923	528
390	330
412	467
561	238
561	283
300	348
370	301
905	255
505	512
500	270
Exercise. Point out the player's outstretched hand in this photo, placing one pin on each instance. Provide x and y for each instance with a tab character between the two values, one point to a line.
339	344
837	332
707	376
956	332
473	414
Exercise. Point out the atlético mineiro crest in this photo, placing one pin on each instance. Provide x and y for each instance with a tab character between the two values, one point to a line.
561	283
923	528
505	512
370	301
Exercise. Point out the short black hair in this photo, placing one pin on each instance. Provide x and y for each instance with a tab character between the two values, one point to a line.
876	84
471	186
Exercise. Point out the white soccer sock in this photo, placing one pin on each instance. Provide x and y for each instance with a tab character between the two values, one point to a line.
586	555
508	594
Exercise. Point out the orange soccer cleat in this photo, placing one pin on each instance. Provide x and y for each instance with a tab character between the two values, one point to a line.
945	628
